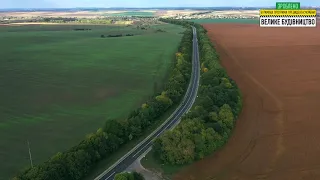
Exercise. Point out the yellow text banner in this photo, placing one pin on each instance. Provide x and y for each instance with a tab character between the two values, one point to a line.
268	12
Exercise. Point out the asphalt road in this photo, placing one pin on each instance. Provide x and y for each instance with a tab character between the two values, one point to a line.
173	120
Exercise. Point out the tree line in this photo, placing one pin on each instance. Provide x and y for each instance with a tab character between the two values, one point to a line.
76	163
116	35
209	123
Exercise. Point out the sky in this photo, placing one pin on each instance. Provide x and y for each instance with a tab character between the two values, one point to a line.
143	3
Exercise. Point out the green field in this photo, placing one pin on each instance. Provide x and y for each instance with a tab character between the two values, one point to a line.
132	13
56	84
242	21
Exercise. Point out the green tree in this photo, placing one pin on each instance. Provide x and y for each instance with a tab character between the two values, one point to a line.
128	176
163	98
226	83
226	116
210	78
213	117
120	176
206	102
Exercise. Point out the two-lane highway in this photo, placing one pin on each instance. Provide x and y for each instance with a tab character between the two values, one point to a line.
173	120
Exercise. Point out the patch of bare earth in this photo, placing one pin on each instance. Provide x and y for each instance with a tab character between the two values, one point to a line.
9	25
171	13
277	136
250	13
80	14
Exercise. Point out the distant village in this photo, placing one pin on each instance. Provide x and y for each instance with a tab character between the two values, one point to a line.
106	19
215	15
122	19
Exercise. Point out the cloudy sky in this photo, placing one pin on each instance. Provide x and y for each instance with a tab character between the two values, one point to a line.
142	3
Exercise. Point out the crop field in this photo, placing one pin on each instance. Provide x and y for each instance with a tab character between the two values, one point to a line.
242	21
58	84
277	134
132	13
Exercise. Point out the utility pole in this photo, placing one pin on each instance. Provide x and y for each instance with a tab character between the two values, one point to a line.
30	154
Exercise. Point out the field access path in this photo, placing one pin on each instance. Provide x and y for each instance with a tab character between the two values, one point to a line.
277	135
187	102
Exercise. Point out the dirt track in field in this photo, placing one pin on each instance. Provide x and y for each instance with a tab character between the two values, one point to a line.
277	136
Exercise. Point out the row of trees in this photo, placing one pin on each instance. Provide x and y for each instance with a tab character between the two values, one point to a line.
76	20
76	162
209	123
116	35
129	176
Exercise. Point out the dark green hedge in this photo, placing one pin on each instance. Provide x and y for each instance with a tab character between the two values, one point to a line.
209	123
76	162
129	176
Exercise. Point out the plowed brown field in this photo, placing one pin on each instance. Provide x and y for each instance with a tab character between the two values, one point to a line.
277	136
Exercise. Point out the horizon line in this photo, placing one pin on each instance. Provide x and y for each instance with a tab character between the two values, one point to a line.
141	7
187	7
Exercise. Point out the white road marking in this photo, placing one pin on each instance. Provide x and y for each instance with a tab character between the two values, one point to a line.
111	175
141	149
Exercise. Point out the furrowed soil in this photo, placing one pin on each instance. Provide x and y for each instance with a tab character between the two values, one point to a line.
277	135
